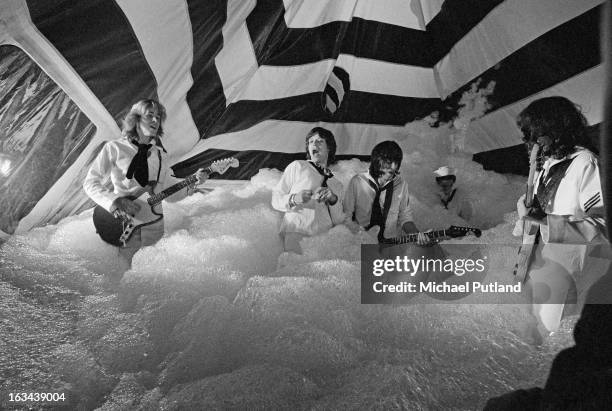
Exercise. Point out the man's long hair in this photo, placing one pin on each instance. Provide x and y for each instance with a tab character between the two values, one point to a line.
383	155
130	122
559	119
330	140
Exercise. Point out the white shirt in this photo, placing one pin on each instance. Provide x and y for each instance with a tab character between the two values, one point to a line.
574	236
113	161
360	196
576	213
459	205
312	217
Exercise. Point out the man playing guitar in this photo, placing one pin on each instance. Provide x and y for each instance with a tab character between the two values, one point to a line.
379	197
134	164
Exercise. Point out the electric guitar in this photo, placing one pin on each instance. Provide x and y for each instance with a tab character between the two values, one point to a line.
117	228
450	232
530	228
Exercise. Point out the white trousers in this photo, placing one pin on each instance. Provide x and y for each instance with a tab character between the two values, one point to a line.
141	237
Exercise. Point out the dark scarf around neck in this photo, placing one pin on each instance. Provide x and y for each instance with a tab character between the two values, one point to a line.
139	167
325	172
379	216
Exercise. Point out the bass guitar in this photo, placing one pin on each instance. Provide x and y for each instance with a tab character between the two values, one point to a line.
530	228
117	228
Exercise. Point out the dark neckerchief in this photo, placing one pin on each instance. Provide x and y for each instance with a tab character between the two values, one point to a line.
548	186
325	172
379	216
139	166
450	198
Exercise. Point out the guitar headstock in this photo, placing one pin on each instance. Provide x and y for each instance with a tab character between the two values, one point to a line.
221	166
455	231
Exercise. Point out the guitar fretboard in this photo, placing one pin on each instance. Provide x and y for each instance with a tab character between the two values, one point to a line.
157	198
412	238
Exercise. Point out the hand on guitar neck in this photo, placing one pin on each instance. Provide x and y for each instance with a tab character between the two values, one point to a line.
200	177
422	238
202	174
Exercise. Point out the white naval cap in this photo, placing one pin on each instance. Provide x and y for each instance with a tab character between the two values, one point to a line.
444	171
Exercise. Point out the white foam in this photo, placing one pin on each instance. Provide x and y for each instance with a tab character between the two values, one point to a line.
225	243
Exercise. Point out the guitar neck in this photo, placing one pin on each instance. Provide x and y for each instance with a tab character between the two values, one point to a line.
530	179
412	238
529	195
530	184
157	198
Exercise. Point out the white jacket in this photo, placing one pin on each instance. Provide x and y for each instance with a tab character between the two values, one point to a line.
360	196
574	239
576	213
459	205
313	217
112	163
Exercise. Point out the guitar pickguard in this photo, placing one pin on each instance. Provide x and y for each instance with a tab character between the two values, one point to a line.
117	230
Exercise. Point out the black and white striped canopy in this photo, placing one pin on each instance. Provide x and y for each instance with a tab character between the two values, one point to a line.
247	77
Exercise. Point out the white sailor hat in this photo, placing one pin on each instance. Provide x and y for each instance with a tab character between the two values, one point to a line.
444	171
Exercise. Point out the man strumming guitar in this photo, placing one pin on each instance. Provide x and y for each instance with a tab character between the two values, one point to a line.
379	197
133	163
566	207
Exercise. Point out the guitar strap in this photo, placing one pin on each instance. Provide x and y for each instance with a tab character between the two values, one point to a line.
548	186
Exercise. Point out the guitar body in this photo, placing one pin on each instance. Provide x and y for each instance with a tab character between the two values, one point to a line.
118	230
523	260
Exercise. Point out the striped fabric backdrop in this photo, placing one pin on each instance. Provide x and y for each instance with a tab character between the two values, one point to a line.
246	77
337	86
